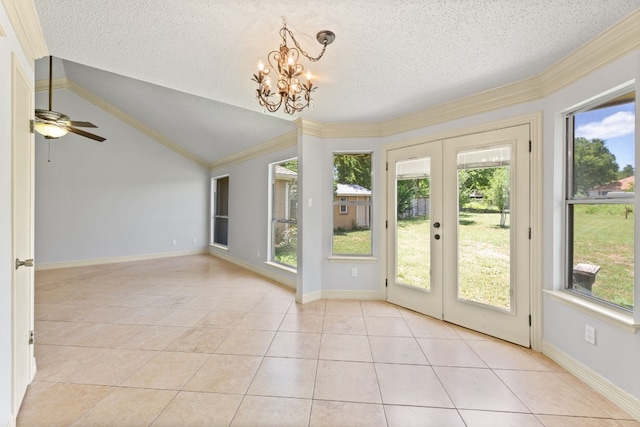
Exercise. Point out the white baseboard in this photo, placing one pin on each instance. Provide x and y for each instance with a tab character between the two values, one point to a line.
99	261
289	282
310	297
617	395
340	294
365	295
12	421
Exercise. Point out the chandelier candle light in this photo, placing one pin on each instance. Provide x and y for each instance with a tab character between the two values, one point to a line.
288	89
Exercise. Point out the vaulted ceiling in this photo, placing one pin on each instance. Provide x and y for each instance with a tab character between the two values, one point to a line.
184	68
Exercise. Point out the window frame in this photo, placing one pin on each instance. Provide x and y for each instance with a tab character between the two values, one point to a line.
287	209
570	200
217	215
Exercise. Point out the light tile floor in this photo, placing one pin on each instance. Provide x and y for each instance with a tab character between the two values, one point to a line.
196	341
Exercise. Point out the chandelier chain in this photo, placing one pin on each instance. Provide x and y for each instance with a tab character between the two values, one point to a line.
309	57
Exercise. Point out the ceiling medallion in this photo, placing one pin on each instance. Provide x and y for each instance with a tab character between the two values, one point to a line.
282	65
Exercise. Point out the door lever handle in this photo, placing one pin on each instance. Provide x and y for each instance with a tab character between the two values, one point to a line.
26	263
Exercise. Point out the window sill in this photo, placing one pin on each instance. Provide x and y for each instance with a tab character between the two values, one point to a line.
282	267
352	258
608	314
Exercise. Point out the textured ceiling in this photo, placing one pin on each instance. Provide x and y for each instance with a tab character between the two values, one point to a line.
389	58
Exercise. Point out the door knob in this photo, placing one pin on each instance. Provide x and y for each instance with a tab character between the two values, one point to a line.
437	237
436	225
26	263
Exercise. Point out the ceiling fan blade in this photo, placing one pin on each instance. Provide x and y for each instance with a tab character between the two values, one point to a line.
81	124
85	134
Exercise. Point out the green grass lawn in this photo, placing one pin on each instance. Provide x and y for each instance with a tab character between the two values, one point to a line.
484	257
605	238
357	242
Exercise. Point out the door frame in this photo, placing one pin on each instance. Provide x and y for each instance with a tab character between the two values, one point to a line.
534	120
17	73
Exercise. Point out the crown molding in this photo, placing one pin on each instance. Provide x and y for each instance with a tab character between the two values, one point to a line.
26	25
614	43
59	83
339	130
503	96
64	83
287	140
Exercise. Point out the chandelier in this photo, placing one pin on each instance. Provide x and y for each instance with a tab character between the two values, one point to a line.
282	66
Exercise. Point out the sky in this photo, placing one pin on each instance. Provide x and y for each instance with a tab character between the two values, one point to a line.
615	125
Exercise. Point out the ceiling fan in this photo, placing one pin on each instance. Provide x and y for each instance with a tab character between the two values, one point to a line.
53	125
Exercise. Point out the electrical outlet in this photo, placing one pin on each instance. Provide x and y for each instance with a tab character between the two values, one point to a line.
354	272
590	334
174	242
258	254
195	240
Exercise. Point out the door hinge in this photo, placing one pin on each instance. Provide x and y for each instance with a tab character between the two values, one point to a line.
529	145
386	224
32	126
386	166
529	320
31	337
529	233
386	283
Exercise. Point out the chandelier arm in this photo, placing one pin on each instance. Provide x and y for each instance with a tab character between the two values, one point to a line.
310	58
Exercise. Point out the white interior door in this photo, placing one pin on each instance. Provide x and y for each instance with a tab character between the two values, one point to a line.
22	199
464	265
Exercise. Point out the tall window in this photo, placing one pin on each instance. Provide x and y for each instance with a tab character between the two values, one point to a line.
220	221
600	199
352	204
284	212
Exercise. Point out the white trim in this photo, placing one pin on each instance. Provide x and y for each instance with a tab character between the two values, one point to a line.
352	258
283	267
26	25
130	258
603	312
289	282
615	394
2	32
378	295
11	422
64	83
310	297
339	294
287	140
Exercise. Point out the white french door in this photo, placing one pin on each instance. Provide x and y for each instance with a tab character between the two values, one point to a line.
458	243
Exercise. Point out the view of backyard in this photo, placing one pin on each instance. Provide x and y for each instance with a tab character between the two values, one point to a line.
483	265
604	237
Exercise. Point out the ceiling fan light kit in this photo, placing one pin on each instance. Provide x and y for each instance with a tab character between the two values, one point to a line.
53	125
283	65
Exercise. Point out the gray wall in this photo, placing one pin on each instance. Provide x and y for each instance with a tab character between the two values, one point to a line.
126	196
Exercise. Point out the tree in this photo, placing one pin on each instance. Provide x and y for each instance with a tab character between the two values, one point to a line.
593	165
352	168
499	192
470	180
408	190
626	171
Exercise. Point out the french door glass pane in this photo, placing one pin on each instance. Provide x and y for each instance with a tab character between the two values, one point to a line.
484	234
413	250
